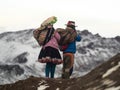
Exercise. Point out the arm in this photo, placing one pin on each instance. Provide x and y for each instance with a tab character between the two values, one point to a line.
78	38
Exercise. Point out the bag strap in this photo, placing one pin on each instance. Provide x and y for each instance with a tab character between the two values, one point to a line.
48	35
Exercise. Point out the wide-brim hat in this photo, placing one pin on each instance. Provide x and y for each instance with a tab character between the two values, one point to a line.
71	23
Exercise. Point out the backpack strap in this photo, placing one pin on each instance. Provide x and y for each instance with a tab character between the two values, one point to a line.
48	35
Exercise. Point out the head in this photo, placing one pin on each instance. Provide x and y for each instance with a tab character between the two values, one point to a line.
71	24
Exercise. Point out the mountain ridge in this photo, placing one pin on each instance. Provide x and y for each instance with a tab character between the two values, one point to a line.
19	52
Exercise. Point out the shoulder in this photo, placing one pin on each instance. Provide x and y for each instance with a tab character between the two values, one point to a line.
56	35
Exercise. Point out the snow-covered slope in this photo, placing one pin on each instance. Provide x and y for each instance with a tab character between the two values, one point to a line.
19	52
94	49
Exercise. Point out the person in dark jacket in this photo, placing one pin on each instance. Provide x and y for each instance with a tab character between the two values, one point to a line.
68	54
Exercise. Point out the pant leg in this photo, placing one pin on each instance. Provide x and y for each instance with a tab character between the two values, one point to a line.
68	59
53	66
66	65
47	69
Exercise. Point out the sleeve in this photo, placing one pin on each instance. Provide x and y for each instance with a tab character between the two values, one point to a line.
78	38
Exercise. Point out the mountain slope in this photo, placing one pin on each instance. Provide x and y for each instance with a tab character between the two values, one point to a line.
104	77
19	53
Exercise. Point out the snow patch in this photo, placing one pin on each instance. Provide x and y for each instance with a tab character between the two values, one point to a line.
111	70
42	87
113	88
108	82
57	88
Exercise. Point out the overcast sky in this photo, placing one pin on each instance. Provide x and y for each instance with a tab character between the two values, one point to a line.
98	16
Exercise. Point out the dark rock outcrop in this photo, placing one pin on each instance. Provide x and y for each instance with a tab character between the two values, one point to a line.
21	58
117	38
11	69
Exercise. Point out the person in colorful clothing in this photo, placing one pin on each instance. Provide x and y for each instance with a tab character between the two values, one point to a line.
68	54
50	54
